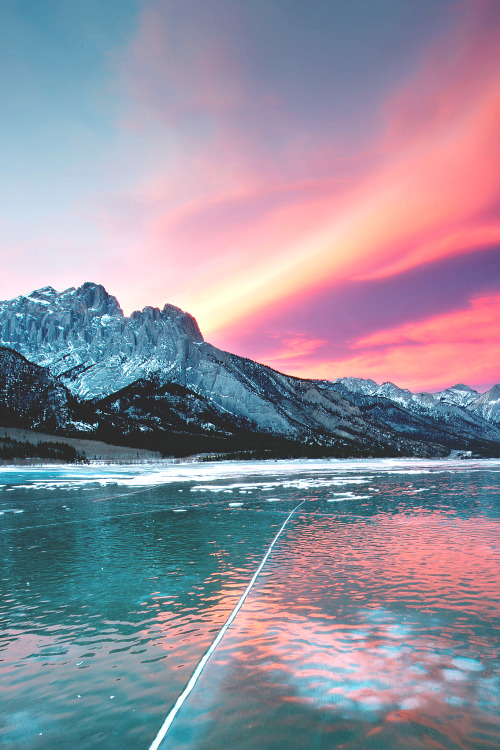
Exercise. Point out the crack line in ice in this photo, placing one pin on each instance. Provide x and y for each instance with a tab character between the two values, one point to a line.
99	518
166	509
201	665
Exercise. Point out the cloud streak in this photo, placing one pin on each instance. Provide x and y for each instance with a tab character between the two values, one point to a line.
459	346
252	213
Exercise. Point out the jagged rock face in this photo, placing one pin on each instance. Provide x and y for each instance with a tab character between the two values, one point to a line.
30	396
84	338
488	405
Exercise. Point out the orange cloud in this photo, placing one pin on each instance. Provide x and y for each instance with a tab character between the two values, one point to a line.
477	324
460	346
294	347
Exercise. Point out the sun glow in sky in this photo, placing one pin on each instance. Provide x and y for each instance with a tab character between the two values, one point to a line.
317	183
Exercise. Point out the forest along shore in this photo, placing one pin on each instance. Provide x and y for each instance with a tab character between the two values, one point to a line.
18	446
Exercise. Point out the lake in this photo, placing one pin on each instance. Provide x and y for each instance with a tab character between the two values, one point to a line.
374	622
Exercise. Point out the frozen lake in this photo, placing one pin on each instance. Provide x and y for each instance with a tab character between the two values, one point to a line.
373	624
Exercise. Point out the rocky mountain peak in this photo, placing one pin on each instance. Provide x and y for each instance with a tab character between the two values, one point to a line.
358	385
491	396
188	324
488	405
82	336
44	292
95	299
459	394
462	387
171	317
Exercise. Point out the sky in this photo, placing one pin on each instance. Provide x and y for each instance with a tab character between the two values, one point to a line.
317	182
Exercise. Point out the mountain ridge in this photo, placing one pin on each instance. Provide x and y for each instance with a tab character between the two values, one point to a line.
85	343
487	403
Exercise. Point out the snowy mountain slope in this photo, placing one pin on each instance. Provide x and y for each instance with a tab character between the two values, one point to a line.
178	421
488	405
84	340
446	424
458	400
165	416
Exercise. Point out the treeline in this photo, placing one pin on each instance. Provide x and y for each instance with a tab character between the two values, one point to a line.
10	449
297	450
242	445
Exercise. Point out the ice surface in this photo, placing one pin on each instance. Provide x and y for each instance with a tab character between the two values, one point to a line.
251	474
361	668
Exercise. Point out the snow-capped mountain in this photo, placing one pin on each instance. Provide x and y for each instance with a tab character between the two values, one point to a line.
488	405
126	370
83	338
483	406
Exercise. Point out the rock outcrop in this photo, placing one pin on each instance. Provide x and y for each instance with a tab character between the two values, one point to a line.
30	396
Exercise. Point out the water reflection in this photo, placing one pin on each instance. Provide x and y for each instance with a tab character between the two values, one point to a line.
372	624
375	631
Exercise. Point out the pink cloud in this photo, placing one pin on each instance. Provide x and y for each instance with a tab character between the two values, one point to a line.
244	212
293	347
233	229
461	346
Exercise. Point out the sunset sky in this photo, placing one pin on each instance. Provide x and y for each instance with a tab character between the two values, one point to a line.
317	182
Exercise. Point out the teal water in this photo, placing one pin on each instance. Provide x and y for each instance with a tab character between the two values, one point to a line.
374	623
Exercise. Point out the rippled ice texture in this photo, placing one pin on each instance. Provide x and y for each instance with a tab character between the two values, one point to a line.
374	623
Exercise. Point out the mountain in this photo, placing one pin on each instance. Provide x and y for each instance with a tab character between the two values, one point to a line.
458	403
86	341
151	414
83	338
151	376
30	396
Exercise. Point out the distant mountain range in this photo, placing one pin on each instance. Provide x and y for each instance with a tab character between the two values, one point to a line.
73	364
